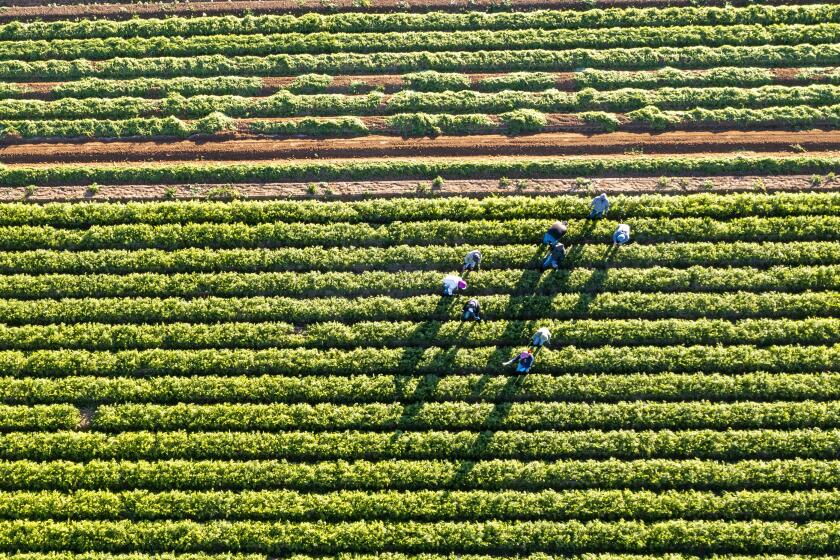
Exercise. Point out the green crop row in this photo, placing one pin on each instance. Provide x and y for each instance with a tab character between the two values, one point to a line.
493	474
527	416
308	361
436	21
405	103
410	258
405	283
39	417
93	390
434	232
409	169
378	556
690	57
411	41
350	445
699	537
720	206
424	505
99	128
428	81
586	332
621	305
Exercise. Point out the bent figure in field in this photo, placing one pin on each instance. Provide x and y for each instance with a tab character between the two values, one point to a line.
554	257
472	310
600	205
621	235
452	283
471	262
541	338
524	360
555	232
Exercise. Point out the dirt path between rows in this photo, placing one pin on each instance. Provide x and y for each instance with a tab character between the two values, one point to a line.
351	190
548	144
17	10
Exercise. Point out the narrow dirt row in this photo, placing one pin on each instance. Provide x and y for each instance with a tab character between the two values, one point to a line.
548	144
351	190
18	10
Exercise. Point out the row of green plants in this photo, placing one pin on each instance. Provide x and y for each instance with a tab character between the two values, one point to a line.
689	57
428	233
487	282
586	332
416	258
385	210
428	80
424	505
619	305
352	445
411	41
38	417
216	173
467	103
491	474
634	415
535	387
214	123
434	21
311	361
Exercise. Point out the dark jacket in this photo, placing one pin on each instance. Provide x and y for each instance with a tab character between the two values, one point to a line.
472	305
557	230
558	253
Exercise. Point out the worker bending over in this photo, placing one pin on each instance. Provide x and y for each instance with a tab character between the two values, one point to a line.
472	310
452	283
524	360
554	257
621	235
600	205
555	232
541	338
471	262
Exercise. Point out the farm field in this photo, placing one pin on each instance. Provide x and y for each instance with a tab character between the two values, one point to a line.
225	229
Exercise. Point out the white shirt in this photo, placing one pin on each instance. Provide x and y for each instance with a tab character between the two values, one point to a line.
542	335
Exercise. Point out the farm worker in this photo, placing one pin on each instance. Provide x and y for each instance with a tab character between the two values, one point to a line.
554	257
599	205
621	235
541	338
472	310
471	261
524	360
452	283
555	232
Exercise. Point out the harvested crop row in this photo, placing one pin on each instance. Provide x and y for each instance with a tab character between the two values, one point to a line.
381	22
428	233
581	333
411	258
286	104
494	474
350	445
719	206
690	57
425	505
633	415
92	390
488	360
622	305
486	282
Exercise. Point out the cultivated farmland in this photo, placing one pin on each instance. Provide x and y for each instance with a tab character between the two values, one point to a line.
224	233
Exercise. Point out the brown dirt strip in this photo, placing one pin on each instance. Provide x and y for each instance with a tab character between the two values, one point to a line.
549	144
19	10
387	189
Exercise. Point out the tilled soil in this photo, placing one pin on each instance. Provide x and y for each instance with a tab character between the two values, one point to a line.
16	10
473	188
548	144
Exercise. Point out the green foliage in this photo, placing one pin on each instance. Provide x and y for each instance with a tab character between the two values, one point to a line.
607	121
308	126
310	83
523	121
430	80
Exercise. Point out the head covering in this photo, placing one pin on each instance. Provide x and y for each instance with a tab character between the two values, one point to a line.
462	285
